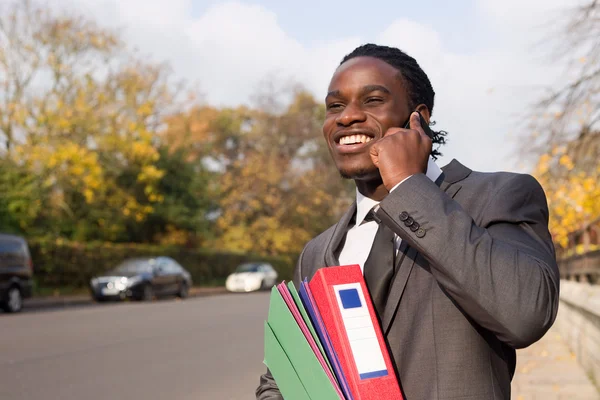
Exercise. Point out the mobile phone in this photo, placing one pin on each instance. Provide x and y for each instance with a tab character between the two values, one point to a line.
424	125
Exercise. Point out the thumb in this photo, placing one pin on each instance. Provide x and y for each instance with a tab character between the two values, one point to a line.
415	121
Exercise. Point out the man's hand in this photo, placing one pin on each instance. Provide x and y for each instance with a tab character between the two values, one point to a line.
401	152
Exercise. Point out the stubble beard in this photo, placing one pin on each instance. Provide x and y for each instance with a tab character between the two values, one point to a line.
360	174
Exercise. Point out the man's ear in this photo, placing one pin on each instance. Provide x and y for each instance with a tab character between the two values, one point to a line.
424	111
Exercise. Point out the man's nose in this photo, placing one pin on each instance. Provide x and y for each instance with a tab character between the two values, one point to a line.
351	115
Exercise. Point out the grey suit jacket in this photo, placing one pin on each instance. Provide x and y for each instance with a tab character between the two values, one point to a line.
478	281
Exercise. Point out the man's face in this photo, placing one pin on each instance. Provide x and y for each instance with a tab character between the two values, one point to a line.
365	98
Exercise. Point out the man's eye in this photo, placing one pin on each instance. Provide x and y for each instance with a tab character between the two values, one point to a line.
373	100
334	106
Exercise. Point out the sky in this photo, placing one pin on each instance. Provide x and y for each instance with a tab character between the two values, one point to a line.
487	59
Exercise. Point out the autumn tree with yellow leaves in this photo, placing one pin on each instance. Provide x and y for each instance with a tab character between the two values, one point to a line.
80	113
276	187
99	144
566	130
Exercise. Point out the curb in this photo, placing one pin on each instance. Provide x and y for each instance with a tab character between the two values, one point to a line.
39	303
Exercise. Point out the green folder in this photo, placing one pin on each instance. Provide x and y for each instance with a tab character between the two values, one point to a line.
282	369
288	337
308	322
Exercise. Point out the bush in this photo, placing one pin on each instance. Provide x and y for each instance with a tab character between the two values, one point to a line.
61	263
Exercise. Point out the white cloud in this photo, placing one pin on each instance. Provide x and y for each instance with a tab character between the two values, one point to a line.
234	46
479	97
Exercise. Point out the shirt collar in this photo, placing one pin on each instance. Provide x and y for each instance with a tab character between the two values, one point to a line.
364	204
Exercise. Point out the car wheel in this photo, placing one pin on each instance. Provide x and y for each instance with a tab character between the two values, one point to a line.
14	300
184	291
99	299
148	293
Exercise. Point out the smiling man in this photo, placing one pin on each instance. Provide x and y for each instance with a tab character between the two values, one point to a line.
460	264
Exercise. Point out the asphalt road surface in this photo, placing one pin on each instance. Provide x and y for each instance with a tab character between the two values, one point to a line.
202	348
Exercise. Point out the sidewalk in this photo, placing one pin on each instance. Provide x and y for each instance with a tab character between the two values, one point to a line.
68	301
548	370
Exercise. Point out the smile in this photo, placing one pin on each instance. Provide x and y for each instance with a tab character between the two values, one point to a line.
354	139
352	142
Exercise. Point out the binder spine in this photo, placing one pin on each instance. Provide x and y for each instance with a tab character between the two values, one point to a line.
344	303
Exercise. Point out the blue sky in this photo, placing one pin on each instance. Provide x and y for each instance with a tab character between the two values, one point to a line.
479	54
314	21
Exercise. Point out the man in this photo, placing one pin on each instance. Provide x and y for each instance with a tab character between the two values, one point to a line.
467	273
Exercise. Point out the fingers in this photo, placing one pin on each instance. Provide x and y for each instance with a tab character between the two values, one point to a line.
392	131
414	124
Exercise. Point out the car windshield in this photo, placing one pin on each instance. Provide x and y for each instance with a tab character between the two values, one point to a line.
135	266
249	267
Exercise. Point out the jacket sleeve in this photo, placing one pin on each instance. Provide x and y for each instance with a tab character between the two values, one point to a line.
267	388
501	271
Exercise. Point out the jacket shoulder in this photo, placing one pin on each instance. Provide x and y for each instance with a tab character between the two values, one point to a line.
313	254
490	182
319	242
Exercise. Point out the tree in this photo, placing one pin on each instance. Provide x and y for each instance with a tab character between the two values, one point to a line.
571	110
22	201
277	194
181	217
566	138
572	186
82	114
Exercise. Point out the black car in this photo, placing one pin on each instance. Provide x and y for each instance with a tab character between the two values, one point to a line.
16	272
142	279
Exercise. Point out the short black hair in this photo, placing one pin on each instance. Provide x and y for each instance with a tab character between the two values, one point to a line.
415	80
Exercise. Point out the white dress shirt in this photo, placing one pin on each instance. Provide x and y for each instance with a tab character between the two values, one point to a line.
359	238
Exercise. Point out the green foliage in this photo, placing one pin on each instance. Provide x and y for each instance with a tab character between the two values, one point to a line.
180	217
60	263
21	202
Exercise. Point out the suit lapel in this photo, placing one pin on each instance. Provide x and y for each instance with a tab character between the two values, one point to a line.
339	233
453	173
404	266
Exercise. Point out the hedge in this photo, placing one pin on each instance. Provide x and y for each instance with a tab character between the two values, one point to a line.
68	264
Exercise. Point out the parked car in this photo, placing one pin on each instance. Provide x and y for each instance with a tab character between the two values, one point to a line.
142	279
16	272
250	277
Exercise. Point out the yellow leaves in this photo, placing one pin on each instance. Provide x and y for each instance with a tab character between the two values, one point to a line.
156	198
572	193
143	151
150	174
301	209
89	195
145	109
543	164
173	236
589	184
266	235
566	162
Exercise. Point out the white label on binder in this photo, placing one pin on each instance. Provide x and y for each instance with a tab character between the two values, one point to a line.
360	331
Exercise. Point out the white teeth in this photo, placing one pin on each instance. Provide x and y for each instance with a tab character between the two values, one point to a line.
354	139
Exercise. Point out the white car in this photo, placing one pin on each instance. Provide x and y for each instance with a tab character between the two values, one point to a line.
250	277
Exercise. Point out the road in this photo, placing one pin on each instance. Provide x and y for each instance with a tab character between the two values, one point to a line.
202	348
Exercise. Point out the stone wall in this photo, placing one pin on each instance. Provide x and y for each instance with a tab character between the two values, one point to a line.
578	321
